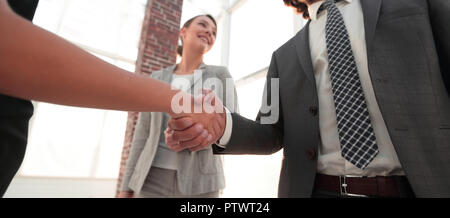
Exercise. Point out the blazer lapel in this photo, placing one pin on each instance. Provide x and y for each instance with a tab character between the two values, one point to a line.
157	117
167	74
371	12
304	53
198	77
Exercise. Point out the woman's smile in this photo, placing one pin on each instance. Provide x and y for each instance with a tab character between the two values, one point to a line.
204	39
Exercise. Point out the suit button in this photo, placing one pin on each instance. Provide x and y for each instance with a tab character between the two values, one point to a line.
313	110
310	154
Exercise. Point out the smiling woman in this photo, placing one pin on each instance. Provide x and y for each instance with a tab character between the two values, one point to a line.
205	21
169	171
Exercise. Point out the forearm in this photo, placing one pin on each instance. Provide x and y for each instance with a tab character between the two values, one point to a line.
251	137
38	65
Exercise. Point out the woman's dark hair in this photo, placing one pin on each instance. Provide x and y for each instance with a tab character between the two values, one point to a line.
187	24
302	8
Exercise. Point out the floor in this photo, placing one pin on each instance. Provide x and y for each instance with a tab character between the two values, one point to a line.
247	176
41	187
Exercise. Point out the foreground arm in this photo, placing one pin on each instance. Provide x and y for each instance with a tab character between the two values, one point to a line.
38	65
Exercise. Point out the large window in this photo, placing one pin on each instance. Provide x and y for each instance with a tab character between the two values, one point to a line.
76	142
257	29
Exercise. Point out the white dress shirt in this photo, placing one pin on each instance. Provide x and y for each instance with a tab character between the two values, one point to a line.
330	161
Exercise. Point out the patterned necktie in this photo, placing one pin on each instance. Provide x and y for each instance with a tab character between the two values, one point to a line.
356	135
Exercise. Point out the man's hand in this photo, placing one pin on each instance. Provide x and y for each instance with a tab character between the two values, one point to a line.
196	131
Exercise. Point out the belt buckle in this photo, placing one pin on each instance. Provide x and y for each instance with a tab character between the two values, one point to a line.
343	187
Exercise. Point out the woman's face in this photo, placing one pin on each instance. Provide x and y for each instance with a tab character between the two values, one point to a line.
201	34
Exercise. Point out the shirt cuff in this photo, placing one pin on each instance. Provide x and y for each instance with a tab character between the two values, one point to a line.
228	129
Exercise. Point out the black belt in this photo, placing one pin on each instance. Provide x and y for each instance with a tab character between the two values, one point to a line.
380	186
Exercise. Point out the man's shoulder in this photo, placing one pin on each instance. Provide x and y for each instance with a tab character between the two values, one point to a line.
289	46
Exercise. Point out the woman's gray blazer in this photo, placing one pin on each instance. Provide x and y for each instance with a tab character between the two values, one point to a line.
198	172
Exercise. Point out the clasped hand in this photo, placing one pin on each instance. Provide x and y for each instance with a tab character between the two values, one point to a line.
196	131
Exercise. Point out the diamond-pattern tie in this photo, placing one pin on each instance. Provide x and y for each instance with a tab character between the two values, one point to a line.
356	136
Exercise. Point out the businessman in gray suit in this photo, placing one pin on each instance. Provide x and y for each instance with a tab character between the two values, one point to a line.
364	106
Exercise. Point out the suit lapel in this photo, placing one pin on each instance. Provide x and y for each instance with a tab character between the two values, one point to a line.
304	53
371	12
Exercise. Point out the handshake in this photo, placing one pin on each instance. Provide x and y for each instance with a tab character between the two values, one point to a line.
198	128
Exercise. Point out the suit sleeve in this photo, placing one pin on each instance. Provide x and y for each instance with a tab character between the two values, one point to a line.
141	134
254	137
439	11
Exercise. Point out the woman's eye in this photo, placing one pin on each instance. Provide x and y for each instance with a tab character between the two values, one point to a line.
204	25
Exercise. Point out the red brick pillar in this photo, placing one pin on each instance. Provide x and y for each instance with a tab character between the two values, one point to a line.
157	50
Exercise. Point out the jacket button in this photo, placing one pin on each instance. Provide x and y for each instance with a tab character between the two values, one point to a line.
313	110
310	154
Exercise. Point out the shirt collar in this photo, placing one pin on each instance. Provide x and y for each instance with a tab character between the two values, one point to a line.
312	9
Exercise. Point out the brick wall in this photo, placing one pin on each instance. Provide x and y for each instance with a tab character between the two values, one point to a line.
157	50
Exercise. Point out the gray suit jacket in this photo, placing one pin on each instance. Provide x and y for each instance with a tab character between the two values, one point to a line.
198	172
408	56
